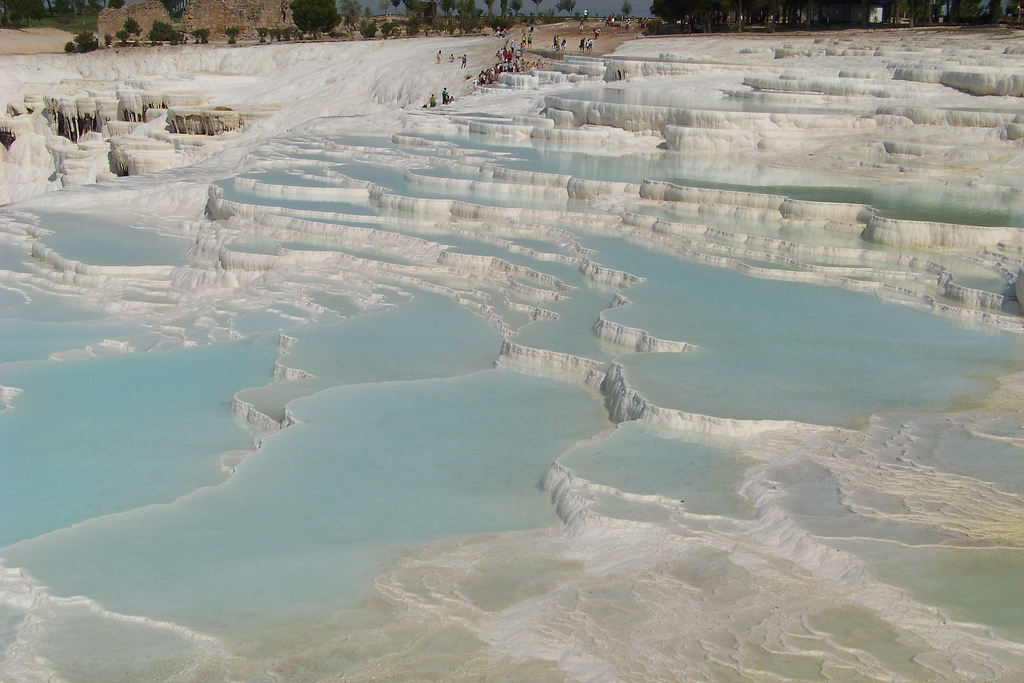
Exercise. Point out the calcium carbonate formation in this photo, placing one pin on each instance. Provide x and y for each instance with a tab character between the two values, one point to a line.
287	191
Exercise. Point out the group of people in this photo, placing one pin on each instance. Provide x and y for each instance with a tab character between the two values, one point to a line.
509	53
452	58
510	60
586	44
445	99
518	65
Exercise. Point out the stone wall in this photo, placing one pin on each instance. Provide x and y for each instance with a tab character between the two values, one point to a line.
112	20
247	15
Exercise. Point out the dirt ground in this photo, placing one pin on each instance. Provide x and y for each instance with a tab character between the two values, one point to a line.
32	41
611	36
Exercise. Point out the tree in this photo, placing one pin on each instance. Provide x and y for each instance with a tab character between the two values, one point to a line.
516	5
350	11
231	32
64	7
315	16
627	8
26	9
395	4
368	28
469	16
995	8
115	4
504	7
566	6
202	35
447	6
162	32
490	7
86	42
671	11
382	5
132	28
537	5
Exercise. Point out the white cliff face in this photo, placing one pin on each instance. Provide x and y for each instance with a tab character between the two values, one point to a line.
188	113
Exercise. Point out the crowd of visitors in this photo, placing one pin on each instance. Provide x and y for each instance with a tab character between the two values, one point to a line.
510	59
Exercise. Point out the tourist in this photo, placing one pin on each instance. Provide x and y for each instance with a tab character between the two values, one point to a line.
438	56
433	100
464	57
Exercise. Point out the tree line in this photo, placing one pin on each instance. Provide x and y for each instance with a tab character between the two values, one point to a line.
706	15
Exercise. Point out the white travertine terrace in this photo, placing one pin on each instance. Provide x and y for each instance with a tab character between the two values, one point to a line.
314	219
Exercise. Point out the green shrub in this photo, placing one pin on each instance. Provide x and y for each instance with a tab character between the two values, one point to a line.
412	26
231	32
162	32
107	39
315	16
263	32
132	28
86	42
368	28
69	46
499	22
201	35
654	26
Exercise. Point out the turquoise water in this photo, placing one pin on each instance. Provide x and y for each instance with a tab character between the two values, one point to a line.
302	524
701	473
99	436
29	339
780	350
974	584
399	344
128	240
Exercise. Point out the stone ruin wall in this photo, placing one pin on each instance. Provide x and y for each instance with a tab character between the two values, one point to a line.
247	15
112	20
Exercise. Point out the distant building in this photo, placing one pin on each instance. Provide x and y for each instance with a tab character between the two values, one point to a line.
247	15
110	21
